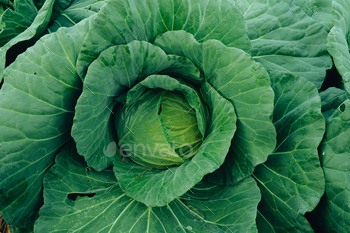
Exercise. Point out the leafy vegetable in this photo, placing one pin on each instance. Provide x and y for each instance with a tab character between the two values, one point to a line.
334	213
29	20
284	38
291	180
174	116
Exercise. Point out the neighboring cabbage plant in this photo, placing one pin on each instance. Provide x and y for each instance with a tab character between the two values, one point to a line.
23	22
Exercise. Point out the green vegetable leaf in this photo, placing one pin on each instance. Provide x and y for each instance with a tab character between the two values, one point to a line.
15	229
291	180
239	212
67	13
77	198
120	22
333	211
338	41
320	10
23	26
33	30
36	108
14	22
337	47
285	39
331	99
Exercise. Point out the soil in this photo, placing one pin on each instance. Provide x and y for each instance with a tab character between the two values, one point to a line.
4	228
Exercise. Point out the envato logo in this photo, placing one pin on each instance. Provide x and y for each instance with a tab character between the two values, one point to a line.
163	150
110	150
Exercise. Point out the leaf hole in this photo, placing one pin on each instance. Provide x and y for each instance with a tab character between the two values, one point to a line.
35	73
88	169
73	196
342	107
160	109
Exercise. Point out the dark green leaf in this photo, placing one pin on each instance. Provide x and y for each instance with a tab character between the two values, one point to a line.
120	22
334	210
77	200
32	31
36	112
338	41
331	99
320	10
291	180
13	22
67	13
285	39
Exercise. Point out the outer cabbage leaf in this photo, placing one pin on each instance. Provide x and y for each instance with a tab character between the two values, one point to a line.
15	229
126	20
100	205
291	180
333	212
67	13
36	112
285	39
338	40
35	30
332	98
14	22
320	10
25	29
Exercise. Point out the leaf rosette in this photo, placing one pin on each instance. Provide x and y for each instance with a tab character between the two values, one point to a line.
126	85
142	73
